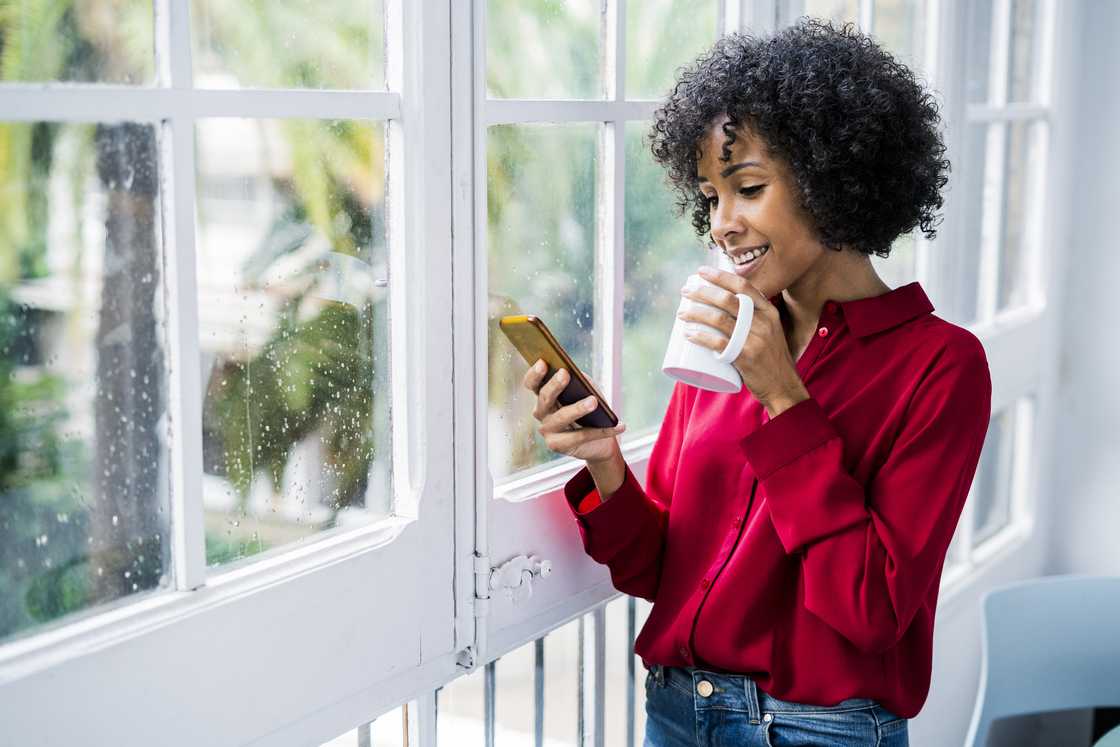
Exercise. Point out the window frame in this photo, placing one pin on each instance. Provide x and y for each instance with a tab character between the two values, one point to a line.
90	660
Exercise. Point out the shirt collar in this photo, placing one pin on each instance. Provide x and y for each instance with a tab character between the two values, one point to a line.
866	316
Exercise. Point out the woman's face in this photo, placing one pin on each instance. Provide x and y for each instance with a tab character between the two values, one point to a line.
753	205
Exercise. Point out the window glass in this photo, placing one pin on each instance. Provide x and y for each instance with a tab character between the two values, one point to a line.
541	216
83	361
992	486
838	11
662	250
1025	148
293	330
978	182
899	27
77	41
979	51
901	266
662	35
1022	69
543	50
288	43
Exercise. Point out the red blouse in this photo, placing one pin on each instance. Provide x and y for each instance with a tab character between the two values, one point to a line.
806	551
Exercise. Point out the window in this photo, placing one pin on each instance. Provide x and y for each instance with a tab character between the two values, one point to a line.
573	195
224	279
84	518
257	404
1007	136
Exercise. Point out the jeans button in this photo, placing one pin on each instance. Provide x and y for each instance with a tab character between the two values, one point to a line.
704	688
768	717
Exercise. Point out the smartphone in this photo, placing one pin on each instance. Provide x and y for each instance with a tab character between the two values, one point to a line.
531	337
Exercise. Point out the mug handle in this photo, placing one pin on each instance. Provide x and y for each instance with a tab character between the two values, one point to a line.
739	334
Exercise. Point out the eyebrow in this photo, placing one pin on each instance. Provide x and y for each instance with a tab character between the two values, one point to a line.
732	169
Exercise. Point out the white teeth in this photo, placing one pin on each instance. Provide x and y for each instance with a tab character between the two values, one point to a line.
751	255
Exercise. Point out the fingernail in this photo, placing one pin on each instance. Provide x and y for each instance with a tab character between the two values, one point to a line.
620	428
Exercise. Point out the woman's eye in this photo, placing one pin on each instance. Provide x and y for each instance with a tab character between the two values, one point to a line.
745	191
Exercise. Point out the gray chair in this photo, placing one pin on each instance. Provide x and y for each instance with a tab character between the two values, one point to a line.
1047	644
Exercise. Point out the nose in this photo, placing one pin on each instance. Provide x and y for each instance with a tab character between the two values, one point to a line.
723	221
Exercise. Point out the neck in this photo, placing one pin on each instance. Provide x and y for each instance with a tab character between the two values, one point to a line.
847	275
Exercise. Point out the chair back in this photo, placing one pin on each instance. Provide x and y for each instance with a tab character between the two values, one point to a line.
1047	644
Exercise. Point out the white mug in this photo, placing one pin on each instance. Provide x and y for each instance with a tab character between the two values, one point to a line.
701	366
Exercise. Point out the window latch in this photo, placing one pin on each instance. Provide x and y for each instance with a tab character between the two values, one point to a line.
515	576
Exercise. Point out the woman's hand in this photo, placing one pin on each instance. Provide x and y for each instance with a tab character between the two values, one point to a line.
558	427
765	362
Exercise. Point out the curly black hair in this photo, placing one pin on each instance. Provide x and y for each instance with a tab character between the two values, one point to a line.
854	127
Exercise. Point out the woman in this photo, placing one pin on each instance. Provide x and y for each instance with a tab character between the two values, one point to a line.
791	536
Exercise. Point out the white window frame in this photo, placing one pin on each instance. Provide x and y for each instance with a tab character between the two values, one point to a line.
186	658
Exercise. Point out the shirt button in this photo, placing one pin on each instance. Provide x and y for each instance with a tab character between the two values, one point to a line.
735	521
822	331
704	688
704	583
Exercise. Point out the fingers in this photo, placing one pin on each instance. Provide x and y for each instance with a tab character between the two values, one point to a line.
563	418
564	442
729	284
546	393
568	440
532	378
546	397
712	317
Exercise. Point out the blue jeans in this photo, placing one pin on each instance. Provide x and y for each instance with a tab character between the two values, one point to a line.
698	708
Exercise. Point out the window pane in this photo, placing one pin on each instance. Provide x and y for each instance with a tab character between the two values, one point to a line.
1024	50
979	50
288	43
543	50
541	200
83	399
662	250
901	267
978	185
900	27
87	41
838	11
662	35
293	326
992	486
1025	148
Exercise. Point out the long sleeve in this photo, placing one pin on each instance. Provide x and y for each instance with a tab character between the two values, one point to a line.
869	553
626	532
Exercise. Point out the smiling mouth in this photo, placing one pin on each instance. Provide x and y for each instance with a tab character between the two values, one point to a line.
747	258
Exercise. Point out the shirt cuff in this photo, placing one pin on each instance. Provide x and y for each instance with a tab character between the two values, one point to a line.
795	431
612	523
